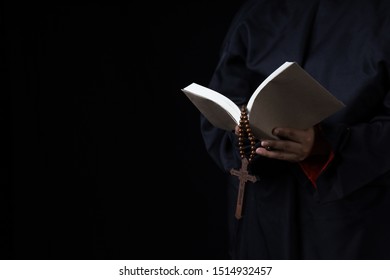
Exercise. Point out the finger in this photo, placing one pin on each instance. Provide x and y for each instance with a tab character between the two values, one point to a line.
277	154
281	145
287	133
236	130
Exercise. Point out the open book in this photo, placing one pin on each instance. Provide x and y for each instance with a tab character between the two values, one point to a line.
289	97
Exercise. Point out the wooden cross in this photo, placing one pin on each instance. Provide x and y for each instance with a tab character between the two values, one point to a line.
243	176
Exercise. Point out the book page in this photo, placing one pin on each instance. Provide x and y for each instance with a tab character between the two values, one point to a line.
291	98
217	108
280	69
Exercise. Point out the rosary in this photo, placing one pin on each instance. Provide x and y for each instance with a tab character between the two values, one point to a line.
244	131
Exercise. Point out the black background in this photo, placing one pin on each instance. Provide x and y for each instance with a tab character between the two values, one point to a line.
102	156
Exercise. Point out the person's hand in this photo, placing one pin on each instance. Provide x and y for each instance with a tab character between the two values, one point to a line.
295	145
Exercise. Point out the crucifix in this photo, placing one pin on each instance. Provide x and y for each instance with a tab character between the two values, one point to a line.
243	174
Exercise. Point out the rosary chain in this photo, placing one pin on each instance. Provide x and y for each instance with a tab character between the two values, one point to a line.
245	131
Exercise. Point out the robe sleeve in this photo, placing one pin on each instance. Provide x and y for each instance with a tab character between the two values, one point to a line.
362	155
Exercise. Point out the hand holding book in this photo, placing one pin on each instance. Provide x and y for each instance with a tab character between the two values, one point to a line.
289	97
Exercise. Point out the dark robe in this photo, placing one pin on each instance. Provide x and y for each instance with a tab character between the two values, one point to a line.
345	45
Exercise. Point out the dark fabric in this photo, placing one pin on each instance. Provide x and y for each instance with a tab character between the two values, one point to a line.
345	45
